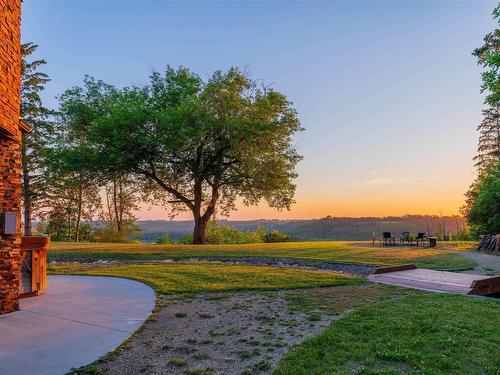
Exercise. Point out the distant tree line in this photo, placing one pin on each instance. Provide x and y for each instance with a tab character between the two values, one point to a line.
327	228
178	141
482	206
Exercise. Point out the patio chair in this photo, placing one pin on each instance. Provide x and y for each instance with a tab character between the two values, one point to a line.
421	238
405	237
388	238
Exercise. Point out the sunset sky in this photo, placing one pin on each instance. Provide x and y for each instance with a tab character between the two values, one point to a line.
387	91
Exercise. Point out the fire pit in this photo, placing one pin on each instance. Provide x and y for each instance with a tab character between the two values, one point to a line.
34	265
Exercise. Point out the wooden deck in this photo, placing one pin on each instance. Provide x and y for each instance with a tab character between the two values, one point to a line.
439	281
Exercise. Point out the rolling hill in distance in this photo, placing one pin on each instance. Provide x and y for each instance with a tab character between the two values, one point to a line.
327	228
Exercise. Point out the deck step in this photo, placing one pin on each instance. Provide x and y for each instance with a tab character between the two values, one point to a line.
441	281
420	284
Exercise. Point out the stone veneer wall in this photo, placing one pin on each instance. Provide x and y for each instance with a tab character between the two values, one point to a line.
10	196
10	151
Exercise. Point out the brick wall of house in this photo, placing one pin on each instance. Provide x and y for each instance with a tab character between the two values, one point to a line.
10	151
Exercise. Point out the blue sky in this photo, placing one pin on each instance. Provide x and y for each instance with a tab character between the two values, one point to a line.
387	91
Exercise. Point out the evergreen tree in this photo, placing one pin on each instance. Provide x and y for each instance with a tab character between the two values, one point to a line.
489	140
488	56
37	117
479	213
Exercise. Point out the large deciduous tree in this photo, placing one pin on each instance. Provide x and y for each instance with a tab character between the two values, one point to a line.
73	186
200	145
76	185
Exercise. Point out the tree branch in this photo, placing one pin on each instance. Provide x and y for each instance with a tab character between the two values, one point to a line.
152	175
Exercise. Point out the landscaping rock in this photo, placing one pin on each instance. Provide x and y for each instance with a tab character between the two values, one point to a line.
166	261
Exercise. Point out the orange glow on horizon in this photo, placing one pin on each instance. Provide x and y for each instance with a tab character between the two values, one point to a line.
314	209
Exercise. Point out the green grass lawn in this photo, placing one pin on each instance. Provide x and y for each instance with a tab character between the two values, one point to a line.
202	277
423	333
447	261
336	251
390	331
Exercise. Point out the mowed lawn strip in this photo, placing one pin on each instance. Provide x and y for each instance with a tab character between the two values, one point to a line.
419	334
449	262
203	277
334	251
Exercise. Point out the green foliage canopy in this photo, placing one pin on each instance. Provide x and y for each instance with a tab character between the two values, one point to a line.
484	214
204	144
480	208
488	56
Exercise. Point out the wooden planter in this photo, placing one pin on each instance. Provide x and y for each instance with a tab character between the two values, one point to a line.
34	265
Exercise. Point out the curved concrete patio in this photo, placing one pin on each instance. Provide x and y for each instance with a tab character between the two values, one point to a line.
76	321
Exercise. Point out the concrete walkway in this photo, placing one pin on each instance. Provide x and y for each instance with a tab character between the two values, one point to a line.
76	321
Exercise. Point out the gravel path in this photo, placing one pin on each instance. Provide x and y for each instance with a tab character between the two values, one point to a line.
486	264
237	333
354	269
233	332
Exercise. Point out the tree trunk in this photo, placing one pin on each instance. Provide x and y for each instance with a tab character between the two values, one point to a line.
26	194
199	232
115	204
68	227
201	221
79	213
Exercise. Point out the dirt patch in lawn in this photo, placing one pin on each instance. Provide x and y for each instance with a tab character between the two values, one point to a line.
233	333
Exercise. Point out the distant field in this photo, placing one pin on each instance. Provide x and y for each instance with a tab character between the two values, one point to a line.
335	251
209	277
